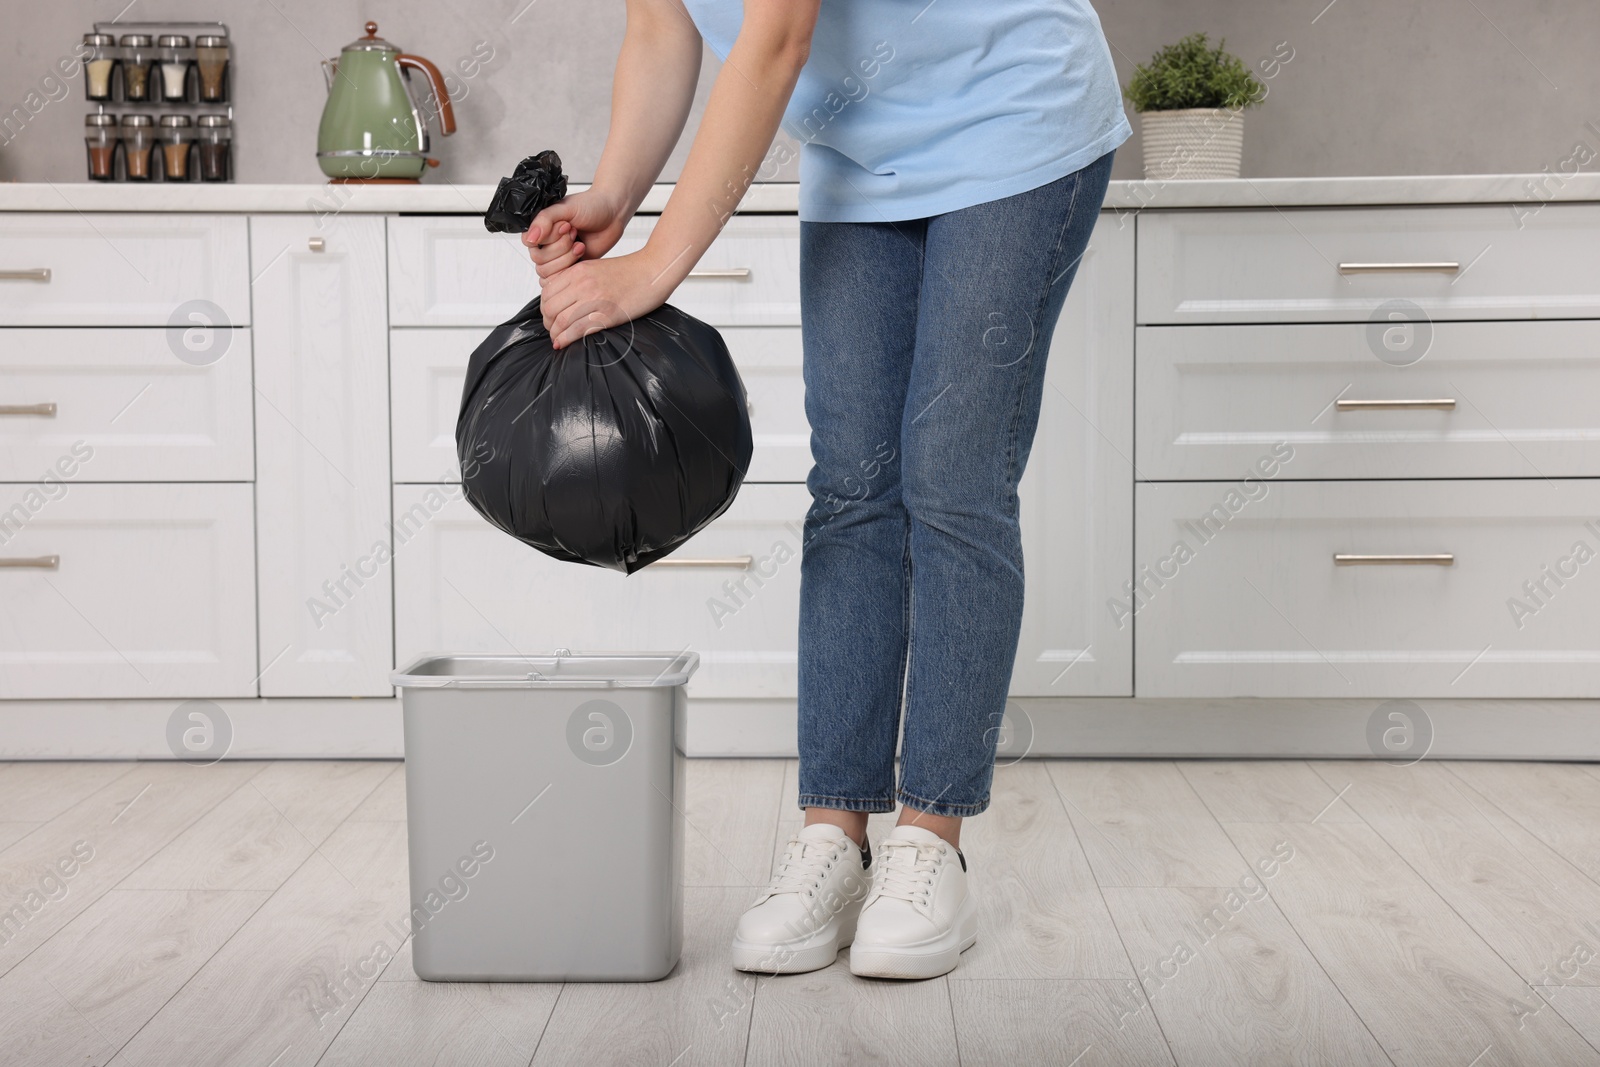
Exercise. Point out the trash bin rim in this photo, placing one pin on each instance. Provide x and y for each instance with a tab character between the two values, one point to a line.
665	669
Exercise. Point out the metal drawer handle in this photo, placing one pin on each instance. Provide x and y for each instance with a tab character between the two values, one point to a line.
43	563
1399	268
1439	559
35	274
316	244
1443	404
48	410
734	273
740	562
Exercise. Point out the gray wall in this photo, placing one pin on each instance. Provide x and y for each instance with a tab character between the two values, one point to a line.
1407	87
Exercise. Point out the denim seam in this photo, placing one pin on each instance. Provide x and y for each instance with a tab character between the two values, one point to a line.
934	807
823	800
1012	477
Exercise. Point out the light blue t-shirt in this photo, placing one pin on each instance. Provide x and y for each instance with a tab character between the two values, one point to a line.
907	109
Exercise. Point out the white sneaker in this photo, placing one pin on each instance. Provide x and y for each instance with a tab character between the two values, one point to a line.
809	911
918	918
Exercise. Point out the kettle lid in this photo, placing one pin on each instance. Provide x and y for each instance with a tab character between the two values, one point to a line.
371	42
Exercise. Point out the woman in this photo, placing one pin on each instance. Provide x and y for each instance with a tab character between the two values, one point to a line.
954	159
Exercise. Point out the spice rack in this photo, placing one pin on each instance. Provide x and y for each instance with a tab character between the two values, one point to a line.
161	95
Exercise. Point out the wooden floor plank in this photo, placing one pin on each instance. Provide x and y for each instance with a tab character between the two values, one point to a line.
39	791
1524	899
1265	791
1231	982
699	1014
1424	983
1580	1006
831	1016
388	801
1082	1023
421	1024
1040	913
12	832
731	806
280	990
111	969
1140	823
1559	803
101	839
258	836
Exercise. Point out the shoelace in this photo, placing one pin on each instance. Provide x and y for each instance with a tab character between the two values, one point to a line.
907	869
803	865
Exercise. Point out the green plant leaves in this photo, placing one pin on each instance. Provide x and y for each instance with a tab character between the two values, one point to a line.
1189	75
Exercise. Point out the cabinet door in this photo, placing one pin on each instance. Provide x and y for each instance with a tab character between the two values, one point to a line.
1449	589
1077	494
126	591
732	594
322	480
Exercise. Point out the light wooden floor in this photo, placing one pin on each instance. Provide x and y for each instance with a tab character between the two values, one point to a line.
1133	912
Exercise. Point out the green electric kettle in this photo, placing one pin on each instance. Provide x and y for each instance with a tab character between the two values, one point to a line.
372	130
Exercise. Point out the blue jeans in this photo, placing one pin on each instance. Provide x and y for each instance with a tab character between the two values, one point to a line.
925	346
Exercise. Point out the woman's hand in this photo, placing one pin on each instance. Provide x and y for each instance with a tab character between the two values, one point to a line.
597	294
584	225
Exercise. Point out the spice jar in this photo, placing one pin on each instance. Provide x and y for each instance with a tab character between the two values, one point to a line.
100	131
211	59
215	136
175	56
138	55
138	138
97	65
177	134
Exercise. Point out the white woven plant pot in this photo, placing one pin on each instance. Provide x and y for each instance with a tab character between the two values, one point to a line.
1192	143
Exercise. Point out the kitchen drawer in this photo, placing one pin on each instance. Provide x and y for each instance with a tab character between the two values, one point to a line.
462	585
1296	265
428	366
450	271
124	404
124	270
1510	400
1254	604
152	594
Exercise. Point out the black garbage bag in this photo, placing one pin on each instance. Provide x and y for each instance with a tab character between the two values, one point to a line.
536	184
613	451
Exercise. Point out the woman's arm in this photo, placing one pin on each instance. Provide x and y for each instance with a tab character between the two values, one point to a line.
742	115
652	92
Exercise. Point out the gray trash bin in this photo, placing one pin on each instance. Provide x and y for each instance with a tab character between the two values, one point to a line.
544	801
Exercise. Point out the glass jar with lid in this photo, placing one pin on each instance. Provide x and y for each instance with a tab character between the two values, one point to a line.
138	56
176	58
215	136
138	138
177	136
101	57
211	60
100	133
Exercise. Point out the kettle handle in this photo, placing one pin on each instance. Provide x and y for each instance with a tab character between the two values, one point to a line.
447	114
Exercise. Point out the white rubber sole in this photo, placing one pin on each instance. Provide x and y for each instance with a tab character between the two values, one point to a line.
810	953
923	959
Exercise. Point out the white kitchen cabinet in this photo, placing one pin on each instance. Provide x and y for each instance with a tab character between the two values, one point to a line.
1333	265
450	271
1077	493
126	591
1480	400
1258	603
428	367
323	480
138	411
182	271
731	594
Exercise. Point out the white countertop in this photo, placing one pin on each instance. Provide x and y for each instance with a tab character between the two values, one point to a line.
441	198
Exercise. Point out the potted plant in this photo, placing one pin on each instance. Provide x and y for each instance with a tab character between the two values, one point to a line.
1191	101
